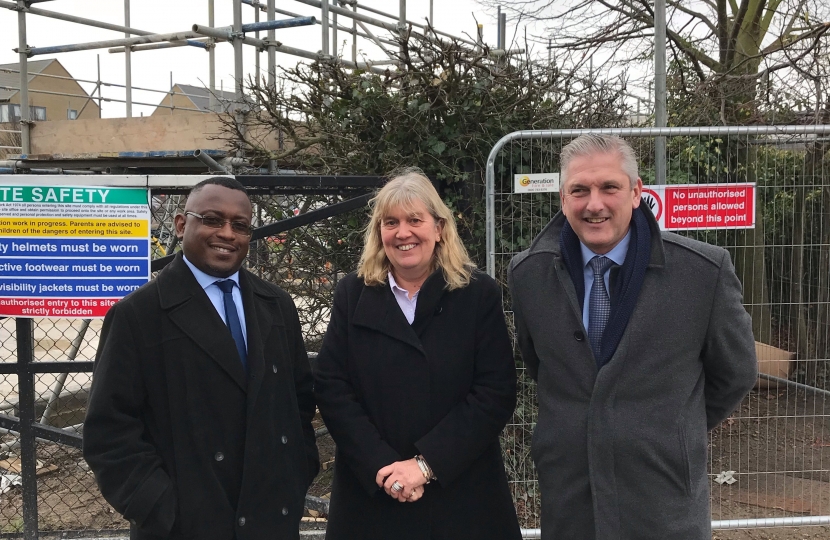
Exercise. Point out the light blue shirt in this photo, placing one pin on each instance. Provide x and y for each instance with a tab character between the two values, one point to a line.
407	304
214	293
617	254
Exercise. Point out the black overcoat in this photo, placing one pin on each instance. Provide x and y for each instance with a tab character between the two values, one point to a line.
443	387
178	435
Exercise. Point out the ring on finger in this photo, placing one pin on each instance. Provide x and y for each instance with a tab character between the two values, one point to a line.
411	494
396	486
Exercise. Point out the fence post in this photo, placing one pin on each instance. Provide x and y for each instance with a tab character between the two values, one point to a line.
28	463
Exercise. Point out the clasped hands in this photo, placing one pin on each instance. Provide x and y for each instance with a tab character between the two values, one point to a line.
402	480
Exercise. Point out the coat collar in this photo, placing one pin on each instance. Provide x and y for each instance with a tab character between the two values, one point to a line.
192	312
547	241
378	310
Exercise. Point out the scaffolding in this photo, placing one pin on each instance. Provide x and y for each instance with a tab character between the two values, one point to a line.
206	37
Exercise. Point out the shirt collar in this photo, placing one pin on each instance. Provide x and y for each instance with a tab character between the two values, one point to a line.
204	279
617	254
394	285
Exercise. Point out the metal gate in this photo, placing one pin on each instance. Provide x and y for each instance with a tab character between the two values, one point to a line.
769	463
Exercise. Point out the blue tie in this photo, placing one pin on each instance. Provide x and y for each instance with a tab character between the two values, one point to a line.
599	305
232	318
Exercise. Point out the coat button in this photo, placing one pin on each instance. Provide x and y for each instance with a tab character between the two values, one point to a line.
219	456
579	336
284	439
242	522
274	368
284	511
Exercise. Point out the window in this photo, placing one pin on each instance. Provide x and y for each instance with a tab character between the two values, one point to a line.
11	113
71	114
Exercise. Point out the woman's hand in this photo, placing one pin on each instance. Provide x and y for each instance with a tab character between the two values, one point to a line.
406	477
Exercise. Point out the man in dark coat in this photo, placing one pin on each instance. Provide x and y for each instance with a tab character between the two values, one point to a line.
639	343
199	419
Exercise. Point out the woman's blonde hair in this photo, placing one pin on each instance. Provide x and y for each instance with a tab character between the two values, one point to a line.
405	188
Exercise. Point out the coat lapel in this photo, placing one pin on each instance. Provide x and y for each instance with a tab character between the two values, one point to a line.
429	301
560	273
192	312
261	312
378	310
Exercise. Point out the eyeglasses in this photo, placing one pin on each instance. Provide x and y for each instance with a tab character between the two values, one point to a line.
238	227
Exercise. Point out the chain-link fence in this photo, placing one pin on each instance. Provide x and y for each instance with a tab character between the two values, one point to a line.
770	461
308	236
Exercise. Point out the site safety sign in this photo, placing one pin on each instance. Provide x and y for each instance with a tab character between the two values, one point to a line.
702	206
71	251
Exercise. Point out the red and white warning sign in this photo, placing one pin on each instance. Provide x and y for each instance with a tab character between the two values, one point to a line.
702	206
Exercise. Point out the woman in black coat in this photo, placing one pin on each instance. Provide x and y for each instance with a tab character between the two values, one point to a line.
416	380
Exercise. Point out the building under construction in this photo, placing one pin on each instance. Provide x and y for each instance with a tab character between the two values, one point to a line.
39	93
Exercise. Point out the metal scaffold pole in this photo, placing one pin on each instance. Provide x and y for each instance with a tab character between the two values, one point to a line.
660	89
402	26
128	61
354	35
237	36
212	62
237	48
272	53
335	47
324	16
23	51
256	51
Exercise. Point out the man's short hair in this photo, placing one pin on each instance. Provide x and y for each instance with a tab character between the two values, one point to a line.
599	143
224	181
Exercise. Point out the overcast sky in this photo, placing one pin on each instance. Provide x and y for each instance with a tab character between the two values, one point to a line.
189	65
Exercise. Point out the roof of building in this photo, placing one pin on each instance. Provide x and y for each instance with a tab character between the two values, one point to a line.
200	96
12	79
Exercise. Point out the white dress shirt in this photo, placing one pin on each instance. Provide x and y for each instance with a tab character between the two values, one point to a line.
402	296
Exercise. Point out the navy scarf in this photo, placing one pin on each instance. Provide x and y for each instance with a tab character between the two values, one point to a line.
625	287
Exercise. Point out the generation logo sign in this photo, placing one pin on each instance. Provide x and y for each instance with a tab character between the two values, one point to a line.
536	183
71	251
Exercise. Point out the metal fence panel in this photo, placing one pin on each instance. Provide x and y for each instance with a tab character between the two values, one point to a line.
770	461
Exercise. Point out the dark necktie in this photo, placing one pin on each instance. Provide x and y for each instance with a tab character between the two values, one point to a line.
599	305
232	318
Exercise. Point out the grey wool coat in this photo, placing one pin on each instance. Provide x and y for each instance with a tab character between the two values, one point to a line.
621	453
443	387
181	441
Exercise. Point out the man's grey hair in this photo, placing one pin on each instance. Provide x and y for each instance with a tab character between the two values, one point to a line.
598	143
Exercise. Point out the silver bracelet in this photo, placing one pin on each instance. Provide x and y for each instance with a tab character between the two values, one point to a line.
425	468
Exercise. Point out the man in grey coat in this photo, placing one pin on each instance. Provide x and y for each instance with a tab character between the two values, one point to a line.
639	343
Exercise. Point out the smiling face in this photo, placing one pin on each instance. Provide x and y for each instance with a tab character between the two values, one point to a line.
216	252
598	200
409	236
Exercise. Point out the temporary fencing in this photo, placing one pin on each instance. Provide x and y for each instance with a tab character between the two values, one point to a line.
770	461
